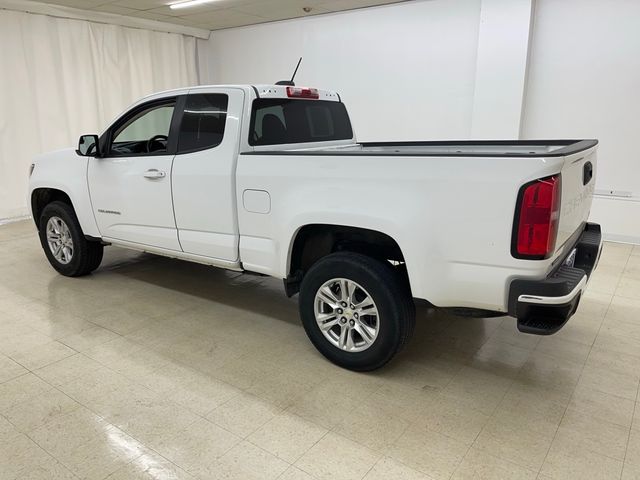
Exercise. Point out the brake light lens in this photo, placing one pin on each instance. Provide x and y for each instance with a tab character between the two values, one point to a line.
303	92
537	221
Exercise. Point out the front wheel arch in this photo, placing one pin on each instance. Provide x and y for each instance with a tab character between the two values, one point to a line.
86	256
41	197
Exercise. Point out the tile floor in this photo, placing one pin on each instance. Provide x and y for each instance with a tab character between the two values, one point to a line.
153	368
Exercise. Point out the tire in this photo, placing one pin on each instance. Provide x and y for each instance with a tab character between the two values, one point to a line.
84	257
376	279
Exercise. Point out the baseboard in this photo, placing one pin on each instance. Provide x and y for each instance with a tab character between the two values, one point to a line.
4	221
611	237
619	218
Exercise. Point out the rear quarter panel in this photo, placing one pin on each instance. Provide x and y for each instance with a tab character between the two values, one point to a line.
452	217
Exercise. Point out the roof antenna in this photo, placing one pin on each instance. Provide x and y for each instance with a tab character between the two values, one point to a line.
290	82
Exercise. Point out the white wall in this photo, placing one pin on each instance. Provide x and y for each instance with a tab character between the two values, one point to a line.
427	69
406	71
503	44
60	78
584	82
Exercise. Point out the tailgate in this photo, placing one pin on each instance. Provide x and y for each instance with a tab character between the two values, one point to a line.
578	184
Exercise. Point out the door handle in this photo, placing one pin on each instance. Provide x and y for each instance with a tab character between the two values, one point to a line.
154	173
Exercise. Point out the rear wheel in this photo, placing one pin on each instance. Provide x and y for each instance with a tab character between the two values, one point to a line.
64	244
356	310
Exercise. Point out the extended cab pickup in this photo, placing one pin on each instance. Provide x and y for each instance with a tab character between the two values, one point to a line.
270	179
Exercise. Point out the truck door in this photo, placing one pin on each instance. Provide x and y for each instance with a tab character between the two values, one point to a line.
203	177
130	185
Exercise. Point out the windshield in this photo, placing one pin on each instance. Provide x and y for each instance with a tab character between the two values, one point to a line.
281	120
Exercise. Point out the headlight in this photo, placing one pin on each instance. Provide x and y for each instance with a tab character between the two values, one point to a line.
31	167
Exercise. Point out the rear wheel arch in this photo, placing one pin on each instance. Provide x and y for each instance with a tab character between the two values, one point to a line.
313	242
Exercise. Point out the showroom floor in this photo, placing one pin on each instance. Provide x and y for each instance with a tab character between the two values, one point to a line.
154	368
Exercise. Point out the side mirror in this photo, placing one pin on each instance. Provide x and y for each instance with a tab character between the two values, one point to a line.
88	146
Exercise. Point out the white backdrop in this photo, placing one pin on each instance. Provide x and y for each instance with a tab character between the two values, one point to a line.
405	71
60	78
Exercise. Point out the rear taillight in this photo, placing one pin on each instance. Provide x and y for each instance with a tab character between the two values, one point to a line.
537	216
302	92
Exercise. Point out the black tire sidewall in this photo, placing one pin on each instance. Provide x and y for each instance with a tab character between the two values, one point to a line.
68	216
381	283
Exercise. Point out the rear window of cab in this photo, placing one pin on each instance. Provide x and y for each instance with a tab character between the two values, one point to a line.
277	121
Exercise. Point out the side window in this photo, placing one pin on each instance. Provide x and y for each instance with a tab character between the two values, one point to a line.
146	132
205	115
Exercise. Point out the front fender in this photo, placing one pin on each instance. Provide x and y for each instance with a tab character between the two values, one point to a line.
66	171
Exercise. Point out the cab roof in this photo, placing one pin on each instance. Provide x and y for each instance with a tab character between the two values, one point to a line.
261	91
286	91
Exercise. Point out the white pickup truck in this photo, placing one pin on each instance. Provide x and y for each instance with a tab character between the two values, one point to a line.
270	179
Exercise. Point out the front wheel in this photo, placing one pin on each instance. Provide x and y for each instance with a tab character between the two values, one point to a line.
64	244
356	310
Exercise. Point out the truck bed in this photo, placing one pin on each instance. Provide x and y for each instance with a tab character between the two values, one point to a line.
453	148
452	214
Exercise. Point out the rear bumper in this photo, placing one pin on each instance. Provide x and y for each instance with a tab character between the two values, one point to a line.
543	307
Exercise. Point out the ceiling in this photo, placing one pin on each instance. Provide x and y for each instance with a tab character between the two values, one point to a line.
219	14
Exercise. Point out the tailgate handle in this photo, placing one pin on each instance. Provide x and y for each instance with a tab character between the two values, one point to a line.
587	173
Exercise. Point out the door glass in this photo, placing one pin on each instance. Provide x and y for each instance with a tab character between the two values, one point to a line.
147	132
205	115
